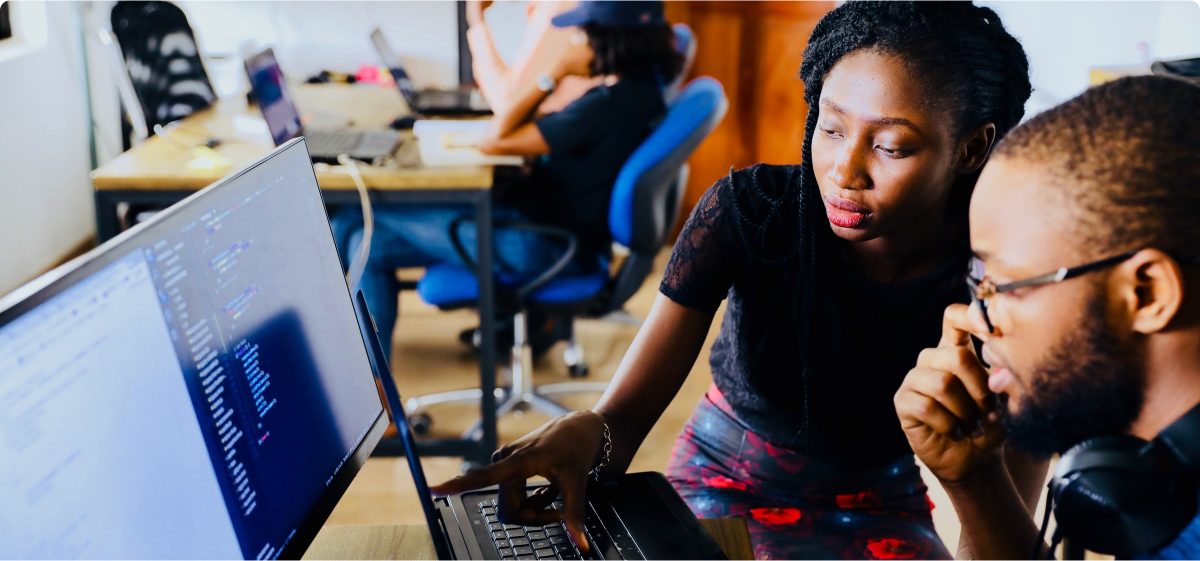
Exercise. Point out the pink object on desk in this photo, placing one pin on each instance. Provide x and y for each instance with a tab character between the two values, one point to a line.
367	73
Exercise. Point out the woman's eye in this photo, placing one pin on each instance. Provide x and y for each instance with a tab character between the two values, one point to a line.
830	133
893	152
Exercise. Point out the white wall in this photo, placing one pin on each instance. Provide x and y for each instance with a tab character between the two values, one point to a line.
45	193
1064	39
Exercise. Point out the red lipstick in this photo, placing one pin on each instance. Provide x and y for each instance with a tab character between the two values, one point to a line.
844	213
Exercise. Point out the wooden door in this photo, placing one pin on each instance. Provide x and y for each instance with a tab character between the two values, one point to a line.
754	49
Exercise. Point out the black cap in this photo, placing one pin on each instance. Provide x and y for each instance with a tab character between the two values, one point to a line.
612	13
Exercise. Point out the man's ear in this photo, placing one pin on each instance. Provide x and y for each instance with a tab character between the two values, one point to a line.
975	149
1150	286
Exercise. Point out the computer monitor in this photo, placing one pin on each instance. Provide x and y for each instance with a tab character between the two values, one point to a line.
197	387
274	97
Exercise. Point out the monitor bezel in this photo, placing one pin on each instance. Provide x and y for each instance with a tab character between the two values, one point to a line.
47	286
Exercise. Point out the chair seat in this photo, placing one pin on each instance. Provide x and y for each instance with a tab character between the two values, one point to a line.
448	284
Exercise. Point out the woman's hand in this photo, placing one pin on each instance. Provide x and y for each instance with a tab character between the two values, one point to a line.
945	407
564	452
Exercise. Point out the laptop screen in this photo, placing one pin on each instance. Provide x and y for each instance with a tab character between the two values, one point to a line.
197	389
274	98
392	62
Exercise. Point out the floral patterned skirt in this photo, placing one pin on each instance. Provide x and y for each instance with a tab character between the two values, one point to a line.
796	506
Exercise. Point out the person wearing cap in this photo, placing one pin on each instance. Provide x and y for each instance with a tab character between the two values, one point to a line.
576	154
541	44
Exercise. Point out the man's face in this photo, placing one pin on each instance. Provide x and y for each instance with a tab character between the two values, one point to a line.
1063	372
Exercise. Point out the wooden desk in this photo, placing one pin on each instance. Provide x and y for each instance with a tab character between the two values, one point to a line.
157	173
411	541
157	170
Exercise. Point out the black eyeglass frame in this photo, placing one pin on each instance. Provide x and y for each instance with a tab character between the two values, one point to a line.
983	289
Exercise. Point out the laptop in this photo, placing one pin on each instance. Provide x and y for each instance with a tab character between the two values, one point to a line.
283	119
428	102
196	387
636	516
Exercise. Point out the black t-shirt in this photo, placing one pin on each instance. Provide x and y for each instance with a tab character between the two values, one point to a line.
589	140
868	333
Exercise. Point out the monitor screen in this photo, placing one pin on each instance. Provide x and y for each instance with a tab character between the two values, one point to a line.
274	98
392	62
190	391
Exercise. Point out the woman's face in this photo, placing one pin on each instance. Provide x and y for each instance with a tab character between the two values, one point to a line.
884	152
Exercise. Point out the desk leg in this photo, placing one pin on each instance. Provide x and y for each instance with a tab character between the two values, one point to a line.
106	217
487	327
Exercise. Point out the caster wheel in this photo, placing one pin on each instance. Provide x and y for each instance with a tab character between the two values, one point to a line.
420	423
578	370
469	465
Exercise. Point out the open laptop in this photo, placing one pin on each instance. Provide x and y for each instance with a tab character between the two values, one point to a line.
196	387
283	119
428	102
637	516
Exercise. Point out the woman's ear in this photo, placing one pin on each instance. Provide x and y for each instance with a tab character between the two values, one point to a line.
975	148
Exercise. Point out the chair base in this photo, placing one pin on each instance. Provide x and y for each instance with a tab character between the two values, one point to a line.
521	395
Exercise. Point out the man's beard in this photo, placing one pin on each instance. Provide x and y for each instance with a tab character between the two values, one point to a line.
1089	386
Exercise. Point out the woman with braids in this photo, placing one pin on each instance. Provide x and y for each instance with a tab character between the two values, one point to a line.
836	273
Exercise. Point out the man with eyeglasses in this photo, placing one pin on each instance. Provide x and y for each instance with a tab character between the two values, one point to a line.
1086	228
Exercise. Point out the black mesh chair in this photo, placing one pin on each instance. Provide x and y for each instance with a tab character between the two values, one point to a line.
158	55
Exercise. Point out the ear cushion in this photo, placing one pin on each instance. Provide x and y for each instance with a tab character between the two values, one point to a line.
1114	496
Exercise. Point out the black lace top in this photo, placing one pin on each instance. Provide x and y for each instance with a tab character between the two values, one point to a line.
736	245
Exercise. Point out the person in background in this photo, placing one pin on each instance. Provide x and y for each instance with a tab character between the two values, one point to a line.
540	46
577	153
1107	183
836	272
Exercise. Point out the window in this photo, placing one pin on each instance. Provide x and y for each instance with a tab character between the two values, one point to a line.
5	21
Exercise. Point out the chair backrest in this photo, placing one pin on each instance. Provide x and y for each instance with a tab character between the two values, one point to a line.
650	186
685	43
162	60
640	214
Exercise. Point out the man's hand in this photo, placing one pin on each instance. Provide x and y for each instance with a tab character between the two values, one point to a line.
945	407
475	9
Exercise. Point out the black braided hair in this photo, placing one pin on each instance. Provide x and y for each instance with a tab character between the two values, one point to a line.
645	52
960	49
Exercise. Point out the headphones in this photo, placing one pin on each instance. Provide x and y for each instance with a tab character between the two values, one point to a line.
1120	495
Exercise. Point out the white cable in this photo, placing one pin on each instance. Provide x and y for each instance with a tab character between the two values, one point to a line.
358	263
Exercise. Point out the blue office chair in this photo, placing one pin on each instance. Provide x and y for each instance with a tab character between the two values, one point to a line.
685	43
645	202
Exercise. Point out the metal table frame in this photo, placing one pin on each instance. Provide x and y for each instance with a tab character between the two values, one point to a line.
479	451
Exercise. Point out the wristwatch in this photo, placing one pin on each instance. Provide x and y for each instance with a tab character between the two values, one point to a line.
546	82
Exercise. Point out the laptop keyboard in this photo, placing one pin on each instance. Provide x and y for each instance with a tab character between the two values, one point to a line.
334	142
351	143
444	98
550	541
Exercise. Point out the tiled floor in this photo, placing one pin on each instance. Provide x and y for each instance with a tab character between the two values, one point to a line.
428	358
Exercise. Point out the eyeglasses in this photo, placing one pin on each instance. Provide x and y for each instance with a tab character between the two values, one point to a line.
983	289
